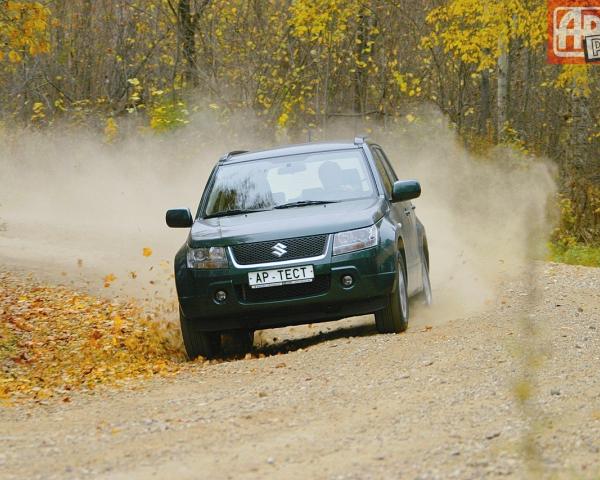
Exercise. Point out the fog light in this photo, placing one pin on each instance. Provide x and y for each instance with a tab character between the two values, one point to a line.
220	296
347	280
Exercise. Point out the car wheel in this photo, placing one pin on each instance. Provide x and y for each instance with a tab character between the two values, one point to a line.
425	296
198	343
394	317
240	341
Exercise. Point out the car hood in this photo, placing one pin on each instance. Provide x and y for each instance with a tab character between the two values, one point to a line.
286	223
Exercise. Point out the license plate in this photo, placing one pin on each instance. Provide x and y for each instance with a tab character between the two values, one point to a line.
281	276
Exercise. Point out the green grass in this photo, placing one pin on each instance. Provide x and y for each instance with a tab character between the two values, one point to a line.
576	255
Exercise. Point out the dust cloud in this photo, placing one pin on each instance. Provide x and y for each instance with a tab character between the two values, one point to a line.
74	209
487	218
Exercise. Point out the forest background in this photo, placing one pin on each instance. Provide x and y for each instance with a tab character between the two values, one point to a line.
152	67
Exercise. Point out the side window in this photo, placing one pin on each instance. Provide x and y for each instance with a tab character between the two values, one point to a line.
388	165
379	163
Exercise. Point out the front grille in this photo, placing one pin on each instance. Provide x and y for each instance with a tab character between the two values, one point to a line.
319	285
262	252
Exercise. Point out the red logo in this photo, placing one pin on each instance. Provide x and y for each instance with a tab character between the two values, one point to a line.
573	30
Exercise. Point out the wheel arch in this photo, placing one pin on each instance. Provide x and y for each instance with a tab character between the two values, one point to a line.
401	250
423	242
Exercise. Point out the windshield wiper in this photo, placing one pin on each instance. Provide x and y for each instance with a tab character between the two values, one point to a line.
304	203
242	211
236	211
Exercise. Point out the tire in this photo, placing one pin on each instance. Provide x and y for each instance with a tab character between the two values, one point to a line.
394	317
198	343
241	341
425	296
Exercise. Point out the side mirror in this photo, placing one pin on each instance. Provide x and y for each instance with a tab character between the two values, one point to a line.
404	190
179	218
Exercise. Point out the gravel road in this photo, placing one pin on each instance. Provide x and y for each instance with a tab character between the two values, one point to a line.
511	391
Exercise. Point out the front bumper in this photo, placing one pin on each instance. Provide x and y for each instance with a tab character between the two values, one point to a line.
373	271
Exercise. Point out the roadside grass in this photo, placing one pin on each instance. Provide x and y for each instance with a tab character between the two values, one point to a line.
575	255
54	341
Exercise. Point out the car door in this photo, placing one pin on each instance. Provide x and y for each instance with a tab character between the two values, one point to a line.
404	215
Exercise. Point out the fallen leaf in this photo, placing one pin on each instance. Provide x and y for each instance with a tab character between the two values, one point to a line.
61	340
108	279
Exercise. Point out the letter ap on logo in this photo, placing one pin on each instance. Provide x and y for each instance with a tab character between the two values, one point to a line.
573	31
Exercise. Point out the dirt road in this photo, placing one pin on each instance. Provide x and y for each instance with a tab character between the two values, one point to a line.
448	399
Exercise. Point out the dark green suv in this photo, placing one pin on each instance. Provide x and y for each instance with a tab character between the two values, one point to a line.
298	235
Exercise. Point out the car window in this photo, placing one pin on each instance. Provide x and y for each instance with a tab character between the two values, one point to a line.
266	183
335	176
383	173
388	165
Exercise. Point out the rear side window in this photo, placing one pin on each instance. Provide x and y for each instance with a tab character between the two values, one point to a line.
383	173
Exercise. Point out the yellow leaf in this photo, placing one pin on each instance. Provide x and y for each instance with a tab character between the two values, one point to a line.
147	251
117	323
283	119
410	118
108	279
14	57
111	130
60	105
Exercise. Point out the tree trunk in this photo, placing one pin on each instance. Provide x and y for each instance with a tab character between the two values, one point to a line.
460	100
85	69
187	29
484	103
359	75
502	100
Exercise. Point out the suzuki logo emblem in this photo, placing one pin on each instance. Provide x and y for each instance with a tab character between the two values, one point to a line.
279	250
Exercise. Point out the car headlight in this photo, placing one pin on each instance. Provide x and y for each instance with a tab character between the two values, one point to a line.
212	257
353	240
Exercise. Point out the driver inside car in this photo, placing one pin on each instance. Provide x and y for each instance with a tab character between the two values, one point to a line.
332	179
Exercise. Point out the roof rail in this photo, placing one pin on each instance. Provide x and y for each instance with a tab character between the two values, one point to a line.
233	153
360	140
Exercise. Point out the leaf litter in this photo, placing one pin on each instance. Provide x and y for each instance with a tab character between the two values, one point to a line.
55	340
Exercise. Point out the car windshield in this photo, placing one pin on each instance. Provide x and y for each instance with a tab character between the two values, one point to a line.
295	180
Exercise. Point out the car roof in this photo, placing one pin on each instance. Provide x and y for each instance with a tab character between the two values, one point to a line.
314	147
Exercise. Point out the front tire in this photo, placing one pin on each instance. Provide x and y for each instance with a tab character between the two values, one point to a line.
198	343
394	317
240	341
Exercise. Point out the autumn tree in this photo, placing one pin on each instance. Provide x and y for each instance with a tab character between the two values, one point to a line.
478	37
23	30
299	64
